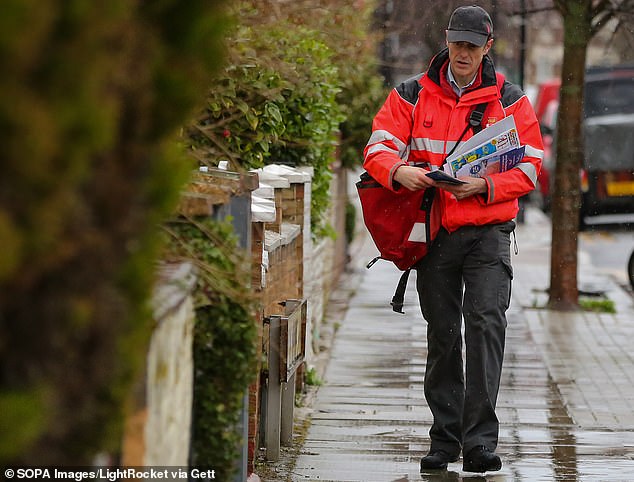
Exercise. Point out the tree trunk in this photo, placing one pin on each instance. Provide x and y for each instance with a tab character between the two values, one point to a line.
564	292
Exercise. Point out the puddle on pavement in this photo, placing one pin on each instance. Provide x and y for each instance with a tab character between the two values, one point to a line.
553	450
383	433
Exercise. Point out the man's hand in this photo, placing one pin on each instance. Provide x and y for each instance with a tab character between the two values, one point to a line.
413	178
472	186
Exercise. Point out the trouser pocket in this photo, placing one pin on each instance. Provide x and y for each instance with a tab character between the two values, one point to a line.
504	298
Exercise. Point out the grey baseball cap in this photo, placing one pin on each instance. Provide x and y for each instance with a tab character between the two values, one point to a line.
470	24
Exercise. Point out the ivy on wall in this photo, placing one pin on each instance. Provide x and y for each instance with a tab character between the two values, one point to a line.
224	337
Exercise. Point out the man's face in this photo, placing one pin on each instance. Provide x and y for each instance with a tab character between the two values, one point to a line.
466	58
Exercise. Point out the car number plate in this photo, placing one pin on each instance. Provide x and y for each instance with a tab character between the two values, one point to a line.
620	188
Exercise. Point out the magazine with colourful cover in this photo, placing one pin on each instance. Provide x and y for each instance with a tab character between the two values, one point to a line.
498	162
489	144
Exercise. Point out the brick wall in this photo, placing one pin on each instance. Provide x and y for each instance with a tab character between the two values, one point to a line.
286	264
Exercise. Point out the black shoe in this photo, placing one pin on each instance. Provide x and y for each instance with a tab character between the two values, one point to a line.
436	460
481	459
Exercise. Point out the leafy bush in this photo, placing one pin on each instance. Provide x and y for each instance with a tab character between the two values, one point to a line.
275	103
345	28
298	85
90	97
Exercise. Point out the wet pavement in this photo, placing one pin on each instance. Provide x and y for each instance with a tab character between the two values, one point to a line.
566	402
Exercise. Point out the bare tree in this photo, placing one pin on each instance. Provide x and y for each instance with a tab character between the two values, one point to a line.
582	20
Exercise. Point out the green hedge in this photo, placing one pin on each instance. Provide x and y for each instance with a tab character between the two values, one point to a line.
91	96
275	103
298	87
281	98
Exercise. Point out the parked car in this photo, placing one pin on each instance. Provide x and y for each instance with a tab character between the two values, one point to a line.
607	177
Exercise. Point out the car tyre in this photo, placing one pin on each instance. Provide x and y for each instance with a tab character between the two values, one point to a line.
582	220
630	270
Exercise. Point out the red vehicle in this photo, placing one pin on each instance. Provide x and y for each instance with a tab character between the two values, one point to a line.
607	177
548	91
546	112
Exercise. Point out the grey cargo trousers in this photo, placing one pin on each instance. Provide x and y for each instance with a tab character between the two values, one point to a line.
462	401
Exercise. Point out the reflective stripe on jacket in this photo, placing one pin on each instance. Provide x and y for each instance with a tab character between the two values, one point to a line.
422	119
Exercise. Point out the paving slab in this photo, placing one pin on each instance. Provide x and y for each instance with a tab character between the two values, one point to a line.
566	402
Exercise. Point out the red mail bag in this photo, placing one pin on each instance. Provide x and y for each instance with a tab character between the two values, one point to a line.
399	222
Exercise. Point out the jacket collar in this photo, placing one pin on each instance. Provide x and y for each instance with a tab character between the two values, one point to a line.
485	85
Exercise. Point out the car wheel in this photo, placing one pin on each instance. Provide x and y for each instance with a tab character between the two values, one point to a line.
582	220
630	269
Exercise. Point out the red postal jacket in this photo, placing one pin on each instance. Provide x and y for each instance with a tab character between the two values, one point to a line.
422	119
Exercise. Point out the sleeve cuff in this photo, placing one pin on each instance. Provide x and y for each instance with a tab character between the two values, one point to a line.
395	185
490	194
